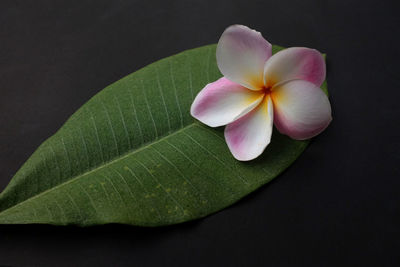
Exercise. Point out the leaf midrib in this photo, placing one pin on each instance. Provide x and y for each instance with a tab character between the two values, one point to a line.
118	158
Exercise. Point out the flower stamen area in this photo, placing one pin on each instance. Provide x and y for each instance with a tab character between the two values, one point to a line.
266	90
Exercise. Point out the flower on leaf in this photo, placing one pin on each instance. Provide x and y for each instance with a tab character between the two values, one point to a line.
260	89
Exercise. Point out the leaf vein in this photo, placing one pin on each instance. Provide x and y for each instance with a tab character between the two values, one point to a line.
217	158
176	95
180	173
149	109
123	122
85	147
163	100
158	182
67	154
136	117
97	134
145	190
111	126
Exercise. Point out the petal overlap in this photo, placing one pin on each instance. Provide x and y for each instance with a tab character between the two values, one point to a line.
223	101
241	56
248	136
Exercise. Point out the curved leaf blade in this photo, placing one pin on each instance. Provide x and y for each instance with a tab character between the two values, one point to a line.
133	154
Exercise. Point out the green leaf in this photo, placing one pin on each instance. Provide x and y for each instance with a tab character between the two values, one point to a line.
134	155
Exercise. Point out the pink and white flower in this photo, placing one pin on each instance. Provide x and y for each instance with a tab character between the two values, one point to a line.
259	90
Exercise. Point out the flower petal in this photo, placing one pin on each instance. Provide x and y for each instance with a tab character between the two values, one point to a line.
301	109
295	63
241	56
223	101
248	136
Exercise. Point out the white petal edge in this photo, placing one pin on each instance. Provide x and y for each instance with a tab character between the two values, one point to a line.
241	56
301	109
248	136
222	102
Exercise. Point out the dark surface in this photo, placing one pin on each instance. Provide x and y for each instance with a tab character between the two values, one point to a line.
337	205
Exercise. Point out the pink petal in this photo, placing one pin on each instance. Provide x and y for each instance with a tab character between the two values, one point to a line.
302	110
295	63
241	56
248	136
223	101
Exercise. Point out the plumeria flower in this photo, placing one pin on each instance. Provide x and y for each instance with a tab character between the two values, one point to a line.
259	90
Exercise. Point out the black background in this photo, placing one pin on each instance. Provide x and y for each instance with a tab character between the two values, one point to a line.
337	205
